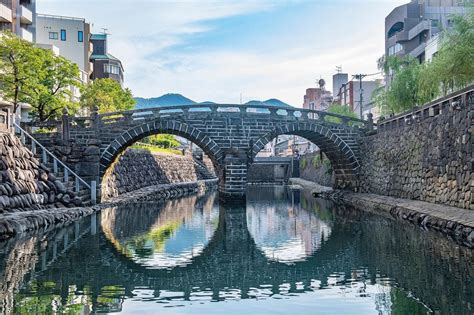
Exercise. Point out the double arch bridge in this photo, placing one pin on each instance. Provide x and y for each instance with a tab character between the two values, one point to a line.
231	135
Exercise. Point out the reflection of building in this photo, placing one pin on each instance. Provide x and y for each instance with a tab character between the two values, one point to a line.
105	65
409	27
18	16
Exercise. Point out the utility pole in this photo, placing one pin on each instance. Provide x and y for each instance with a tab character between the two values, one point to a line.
361	97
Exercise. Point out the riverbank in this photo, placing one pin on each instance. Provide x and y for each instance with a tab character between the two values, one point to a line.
454	222
308	185
15	223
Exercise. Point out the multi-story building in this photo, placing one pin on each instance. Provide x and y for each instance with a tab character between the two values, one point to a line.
68	37
410	27
349	95
317	98
18	16
105	65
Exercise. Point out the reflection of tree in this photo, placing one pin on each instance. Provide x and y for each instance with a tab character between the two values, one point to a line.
157	236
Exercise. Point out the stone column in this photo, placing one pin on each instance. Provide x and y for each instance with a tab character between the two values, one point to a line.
234	182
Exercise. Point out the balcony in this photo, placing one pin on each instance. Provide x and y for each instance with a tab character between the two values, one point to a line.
26	16
5	14
417	29
418	50
25	34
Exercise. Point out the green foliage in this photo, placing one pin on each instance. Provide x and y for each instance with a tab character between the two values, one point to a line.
163	141
303	163
316	161
36	76
341	110
18	65
52	92
402	93
107	95
153	148
413	84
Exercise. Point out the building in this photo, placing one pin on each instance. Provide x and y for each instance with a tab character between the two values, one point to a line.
67	36
18	16
105	65
349	95
317	98
338	80
410	27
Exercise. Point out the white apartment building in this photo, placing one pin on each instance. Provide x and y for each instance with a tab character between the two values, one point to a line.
69	37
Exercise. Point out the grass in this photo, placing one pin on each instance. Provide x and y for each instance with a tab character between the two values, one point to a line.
153	148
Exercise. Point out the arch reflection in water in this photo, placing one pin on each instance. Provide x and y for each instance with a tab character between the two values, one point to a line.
284	231
162	236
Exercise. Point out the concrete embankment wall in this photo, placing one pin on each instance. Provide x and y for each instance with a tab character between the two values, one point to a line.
25	183
136	169
429	160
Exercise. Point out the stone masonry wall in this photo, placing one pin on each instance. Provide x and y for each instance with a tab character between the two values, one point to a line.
314	169
27	184
429	160
135	169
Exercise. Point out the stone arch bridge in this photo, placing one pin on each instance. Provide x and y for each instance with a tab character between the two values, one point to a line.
231	135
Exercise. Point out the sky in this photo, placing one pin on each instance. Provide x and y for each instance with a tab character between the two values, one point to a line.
221	50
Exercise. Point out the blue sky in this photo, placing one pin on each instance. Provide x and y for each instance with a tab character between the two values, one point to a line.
215	50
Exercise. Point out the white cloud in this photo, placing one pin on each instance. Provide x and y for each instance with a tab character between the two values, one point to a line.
145	34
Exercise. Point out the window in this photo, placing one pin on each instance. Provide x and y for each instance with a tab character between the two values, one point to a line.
63	35
53	35
395	49
80	36
112	69
434	23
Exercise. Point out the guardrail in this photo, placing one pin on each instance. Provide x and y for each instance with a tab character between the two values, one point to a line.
46	155
186	110
455	100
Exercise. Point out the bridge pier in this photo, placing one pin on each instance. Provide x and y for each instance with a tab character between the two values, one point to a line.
233	182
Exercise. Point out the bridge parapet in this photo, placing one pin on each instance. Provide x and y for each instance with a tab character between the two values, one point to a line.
186	111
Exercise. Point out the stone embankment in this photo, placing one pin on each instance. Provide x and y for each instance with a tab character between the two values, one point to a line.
457	223
136	169
429	158
27	184
14	223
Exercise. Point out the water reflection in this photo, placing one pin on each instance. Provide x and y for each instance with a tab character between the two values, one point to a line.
179	256
163	236
285	231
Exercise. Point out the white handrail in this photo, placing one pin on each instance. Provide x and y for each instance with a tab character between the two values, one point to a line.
56	161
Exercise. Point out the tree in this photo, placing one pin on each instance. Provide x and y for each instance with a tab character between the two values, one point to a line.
107	95
452	67
163	140
51	90
19	65
343	110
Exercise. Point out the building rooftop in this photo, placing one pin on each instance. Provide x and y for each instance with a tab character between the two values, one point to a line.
99	36
60	17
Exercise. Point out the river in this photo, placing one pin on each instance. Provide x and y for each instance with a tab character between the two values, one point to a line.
283	252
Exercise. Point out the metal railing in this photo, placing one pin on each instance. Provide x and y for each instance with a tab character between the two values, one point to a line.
46	155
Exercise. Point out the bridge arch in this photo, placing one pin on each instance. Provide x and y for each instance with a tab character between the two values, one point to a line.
175	127
339	148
